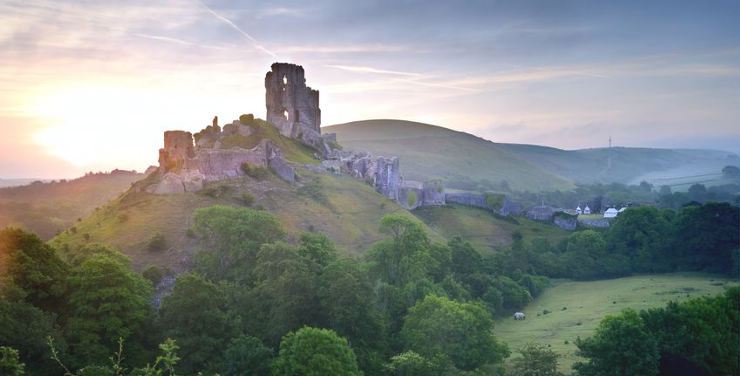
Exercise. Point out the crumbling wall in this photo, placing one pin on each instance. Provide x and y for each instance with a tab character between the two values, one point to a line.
292	106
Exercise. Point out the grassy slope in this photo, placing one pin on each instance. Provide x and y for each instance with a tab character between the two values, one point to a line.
589	302
51	207
350	214
482	228
428	152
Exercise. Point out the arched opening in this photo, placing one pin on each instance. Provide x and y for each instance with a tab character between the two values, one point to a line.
285	114
285	80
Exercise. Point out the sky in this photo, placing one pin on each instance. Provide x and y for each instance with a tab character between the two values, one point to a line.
91	85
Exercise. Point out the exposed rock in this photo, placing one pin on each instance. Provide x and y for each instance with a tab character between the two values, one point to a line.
387	177
170	183
237	128
541	213
292	106
278	164
332	165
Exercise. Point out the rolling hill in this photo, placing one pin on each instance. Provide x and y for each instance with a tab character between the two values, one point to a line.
458	158
47	208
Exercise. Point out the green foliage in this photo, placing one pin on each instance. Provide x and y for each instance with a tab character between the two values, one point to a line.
154	274
705	237
34	272
231	238
156	243
25	328
107	301
246	354
253	171
164	364
195	316
411	198
10	363
642	235
535	360
461	332
317	248
247	199
405	256
215	190
621	345
315	352
494	200
410	363
247	119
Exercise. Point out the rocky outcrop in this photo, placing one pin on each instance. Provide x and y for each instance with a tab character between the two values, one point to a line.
292	106
387	177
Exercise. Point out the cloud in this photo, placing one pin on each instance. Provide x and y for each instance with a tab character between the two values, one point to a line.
281	12
225	20
363	69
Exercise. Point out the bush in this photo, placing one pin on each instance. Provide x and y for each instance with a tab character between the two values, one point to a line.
154	274
247	119
411	198
156	243
494	201
545	311
256	172
247	199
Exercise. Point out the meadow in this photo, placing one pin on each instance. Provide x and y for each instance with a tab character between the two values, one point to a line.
575	308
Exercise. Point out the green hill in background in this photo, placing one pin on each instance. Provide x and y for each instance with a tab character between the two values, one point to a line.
430	152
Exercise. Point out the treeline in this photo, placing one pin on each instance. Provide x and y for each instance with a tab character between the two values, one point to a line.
640	240
254	303
696	337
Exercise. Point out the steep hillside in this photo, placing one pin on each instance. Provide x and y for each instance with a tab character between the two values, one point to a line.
47	208
345	209
483	229
429	151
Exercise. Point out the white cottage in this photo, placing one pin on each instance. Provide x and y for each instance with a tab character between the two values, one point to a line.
586	210
611	213
578	210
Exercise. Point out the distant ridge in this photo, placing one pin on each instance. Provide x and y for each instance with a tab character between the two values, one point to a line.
430	151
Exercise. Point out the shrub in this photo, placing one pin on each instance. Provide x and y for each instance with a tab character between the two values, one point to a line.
123	217
153	273
247	199
256	172
215	191
545	311
156	243
411	198
190	233
494	201
246	119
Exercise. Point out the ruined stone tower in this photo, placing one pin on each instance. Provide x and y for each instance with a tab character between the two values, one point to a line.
292	106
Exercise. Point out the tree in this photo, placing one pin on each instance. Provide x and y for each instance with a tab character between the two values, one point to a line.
25	328
461	332
620	346
643	235
285	294
107	301
231	239
315	352
536	360
10	363
317	248
731	172
246	355
405	256
410	363
34	273
706	236
195	315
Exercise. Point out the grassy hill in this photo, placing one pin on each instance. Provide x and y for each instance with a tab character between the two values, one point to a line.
482	228
47	208
428	151
586	303
347	210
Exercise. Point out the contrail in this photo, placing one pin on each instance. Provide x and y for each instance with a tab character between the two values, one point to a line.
256	43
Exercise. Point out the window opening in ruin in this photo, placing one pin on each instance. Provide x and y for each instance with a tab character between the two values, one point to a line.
285	113
285	80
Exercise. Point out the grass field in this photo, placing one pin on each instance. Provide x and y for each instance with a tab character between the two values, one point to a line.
577	307
482	228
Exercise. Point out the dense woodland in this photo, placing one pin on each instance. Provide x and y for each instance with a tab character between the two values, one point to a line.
409	306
